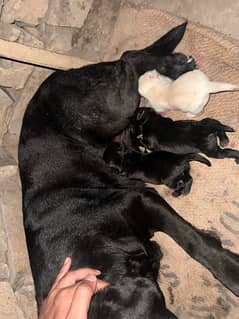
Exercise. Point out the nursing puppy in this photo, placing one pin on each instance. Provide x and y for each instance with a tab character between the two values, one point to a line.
157	167
73	205
189	93
157	133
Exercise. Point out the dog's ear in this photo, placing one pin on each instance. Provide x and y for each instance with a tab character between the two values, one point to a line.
168	42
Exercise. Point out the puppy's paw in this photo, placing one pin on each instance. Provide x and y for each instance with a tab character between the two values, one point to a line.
179	188
182	187
223	139
152	74
190	115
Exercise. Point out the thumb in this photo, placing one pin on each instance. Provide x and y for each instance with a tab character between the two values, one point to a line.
91	281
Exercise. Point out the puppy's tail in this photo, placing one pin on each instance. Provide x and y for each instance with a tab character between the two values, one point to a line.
215	87
198	158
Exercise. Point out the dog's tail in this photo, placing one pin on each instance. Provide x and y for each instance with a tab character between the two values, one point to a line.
222	87
198	158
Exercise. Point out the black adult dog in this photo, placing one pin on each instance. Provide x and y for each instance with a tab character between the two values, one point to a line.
74	206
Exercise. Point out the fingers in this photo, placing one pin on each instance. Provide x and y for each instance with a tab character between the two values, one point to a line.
82	298
71	293
59	303
63	271
83	272
67	278
73	276
72	301
100	284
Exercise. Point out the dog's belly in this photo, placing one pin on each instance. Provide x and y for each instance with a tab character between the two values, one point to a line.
88	225
132	298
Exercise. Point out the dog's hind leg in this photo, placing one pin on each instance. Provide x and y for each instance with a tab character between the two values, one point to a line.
154	211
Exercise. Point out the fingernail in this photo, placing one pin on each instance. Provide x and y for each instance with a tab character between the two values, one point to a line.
98	272
90	278
67	260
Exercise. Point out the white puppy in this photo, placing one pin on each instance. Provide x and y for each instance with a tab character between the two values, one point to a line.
189	93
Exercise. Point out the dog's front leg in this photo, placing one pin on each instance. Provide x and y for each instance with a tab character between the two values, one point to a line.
203	247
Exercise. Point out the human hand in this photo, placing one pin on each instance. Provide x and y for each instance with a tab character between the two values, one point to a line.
71	293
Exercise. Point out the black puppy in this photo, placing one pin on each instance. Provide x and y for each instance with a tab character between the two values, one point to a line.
155	132
74	206
157	167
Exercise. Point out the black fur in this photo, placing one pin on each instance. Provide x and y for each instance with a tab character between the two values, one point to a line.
156	167
74	206
156	133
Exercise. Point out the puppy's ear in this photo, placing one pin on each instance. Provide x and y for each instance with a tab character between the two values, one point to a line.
167	43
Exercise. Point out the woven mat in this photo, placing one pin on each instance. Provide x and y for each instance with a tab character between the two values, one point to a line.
213	204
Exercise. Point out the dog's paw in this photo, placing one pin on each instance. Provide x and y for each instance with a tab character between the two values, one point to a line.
191	64
188	62
222	136
190	115
214	126
182	187
152	74
223	139
179	64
